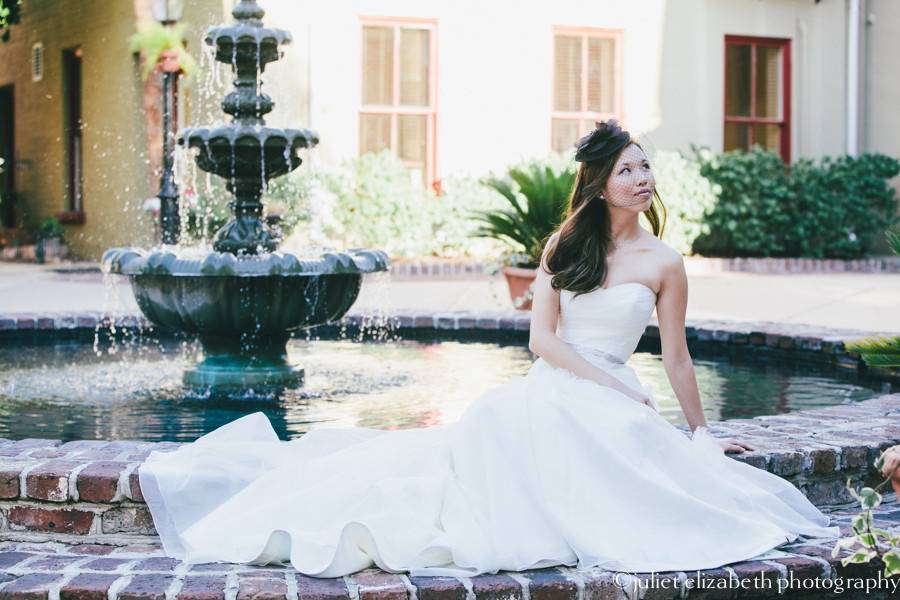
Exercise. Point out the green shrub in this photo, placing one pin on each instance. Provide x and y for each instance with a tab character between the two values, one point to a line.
841	204
687	196
748	218
204	210
833	208
372	201
376	204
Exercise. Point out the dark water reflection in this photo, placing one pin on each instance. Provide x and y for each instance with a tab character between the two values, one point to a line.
67	390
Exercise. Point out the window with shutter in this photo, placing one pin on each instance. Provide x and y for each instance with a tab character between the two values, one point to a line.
398	92
587	82
757	94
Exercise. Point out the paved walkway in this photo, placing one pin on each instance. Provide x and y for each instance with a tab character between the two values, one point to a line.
862	301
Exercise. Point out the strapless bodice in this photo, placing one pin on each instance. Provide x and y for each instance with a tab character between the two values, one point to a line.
606	323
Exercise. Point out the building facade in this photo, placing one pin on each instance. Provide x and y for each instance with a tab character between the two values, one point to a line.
450	88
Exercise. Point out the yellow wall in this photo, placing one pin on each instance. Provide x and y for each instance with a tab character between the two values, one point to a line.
116	173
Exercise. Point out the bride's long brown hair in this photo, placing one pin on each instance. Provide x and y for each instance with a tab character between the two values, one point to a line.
577	259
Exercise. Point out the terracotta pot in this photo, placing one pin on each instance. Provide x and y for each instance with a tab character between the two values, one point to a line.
168	61
519	280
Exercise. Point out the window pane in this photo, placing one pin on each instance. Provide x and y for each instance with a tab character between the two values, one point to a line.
564	134
768	136
601	75
414	50
737	80
736	136
375	133
378	65
768	82
567	73
411	130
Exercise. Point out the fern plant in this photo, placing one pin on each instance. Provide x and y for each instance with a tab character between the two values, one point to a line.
537	196
154	38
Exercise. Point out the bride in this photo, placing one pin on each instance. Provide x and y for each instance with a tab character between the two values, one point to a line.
569	464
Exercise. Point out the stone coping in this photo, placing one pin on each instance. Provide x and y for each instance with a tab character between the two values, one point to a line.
814	343
694	265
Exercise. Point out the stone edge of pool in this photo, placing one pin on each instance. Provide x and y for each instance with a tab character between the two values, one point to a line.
820	344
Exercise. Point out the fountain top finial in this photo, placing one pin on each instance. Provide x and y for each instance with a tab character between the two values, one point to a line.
248	10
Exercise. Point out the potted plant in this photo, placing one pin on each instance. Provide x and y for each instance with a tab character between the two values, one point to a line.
538	196
50	242
162	46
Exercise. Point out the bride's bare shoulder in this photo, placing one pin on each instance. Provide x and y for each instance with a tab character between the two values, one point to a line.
667	257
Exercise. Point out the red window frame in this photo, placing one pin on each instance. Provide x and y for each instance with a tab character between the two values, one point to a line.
785	122
395	110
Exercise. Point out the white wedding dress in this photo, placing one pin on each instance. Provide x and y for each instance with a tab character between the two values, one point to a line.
545	469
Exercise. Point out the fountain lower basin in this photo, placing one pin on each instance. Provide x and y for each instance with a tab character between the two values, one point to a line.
243	308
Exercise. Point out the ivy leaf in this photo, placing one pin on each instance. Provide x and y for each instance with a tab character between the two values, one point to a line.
860	556
859	523
891	563
869	498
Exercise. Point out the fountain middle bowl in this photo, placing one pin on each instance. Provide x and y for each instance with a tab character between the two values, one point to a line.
243	308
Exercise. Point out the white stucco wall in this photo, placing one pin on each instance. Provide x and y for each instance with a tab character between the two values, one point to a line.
495	70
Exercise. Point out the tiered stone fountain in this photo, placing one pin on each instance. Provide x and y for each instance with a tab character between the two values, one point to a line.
245	298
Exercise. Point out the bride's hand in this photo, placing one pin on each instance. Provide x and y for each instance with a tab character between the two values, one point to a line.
734	445
640	397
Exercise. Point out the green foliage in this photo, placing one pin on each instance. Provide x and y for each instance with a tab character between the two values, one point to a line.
204	211
867	541
373	202
50	228
845	202
748	218
154	38
833	208
10	14
879	351
687	195
893	239
537	195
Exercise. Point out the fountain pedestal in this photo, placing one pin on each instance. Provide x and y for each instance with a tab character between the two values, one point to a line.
248	361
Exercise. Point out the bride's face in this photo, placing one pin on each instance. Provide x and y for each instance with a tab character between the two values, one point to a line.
631	182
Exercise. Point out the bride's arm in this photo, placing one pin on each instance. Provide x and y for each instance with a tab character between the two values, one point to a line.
543	341
671	306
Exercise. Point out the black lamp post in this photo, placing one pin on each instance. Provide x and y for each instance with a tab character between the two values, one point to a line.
168	12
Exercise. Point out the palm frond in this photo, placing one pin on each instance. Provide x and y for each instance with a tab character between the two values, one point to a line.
538	197
893	238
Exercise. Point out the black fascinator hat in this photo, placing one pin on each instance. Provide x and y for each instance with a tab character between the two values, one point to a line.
607	139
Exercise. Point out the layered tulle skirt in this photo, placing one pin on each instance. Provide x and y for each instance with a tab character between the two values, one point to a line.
545	469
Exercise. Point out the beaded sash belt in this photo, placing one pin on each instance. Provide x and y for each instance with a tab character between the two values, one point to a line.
581	349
